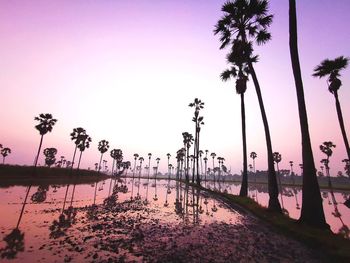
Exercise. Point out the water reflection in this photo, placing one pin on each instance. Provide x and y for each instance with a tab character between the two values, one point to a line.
176	201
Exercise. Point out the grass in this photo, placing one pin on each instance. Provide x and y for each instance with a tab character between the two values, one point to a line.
333	246
11	175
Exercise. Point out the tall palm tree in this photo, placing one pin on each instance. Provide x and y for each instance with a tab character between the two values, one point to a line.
76	136
331	68
312	209
198	120
103	146
149	165
157	160
113	154
253	155
5	152
169	169
248	21
213	155
134	169
49	154
188	141
239	70
277	157
326	148
46	123
141	159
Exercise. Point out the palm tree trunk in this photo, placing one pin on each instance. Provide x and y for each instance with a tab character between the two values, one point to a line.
194	154
197	158
274	204
71	168
24	204
341	123
312	210
99	165
37	155
244	186
187	165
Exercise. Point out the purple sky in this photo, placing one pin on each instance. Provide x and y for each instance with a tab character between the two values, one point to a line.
126	71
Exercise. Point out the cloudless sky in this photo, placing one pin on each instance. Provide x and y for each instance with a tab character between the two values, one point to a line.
127	70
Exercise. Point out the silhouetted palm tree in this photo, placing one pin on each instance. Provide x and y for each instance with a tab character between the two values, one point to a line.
5	152
187	140
347	166
331	69
326	148
244	21
103	146
312	209
76	136
141	159
149	165
46	123
239	70
49	154
213	155
198	120
134	169
253	155
169	169
277	157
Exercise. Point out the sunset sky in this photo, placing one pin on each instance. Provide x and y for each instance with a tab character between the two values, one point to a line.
127	70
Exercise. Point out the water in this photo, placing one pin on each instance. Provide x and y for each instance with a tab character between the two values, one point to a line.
141	221
336	213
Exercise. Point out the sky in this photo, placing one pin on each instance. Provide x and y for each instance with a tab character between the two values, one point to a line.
127	70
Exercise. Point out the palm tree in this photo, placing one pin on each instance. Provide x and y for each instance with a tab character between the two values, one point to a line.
200	156
187	140
5	152
157	160
49	154
113	154
331	69
253	155
135	158
103	146
326	148
77	135
169	169
198	120
141	159
46	123
245	21
213	155
277	157
149	165
312	209
347	166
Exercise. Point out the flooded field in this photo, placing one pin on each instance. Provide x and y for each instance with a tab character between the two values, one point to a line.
137	220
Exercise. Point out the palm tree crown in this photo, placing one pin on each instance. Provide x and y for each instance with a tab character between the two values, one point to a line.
245	20
46	122
331	68
103	146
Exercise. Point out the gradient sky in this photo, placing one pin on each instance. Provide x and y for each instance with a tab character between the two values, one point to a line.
126	71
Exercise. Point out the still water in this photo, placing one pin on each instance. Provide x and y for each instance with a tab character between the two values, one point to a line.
35	229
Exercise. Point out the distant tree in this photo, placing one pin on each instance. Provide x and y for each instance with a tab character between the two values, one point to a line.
5	152
134	169
103	146
49	154
169	168
188	141
198	120
331	68
84	143
76	136
213	155
141	159
149	164
46	123
347	166
326	148
253	155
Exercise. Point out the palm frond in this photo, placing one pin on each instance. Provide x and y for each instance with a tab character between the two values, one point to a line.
262	37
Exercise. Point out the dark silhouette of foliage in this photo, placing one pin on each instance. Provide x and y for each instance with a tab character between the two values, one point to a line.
14	244
46	123
198	120
331	69
50	154
5	152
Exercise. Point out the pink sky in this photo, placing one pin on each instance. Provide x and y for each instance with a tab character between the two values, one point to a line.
126	71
